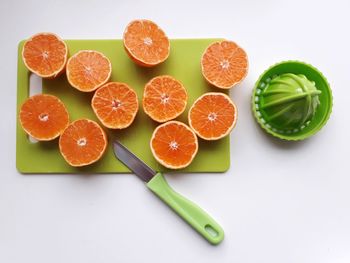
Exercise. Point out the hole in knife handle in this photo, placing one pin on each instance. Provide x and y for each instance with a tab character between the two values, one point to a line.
211	231
35	87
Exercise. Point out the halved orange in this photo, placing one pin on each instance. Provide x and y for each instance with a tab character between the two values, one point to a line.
174	144
224	64
146	43
164	98
115	105
212	116
45	54
44	117
88	70
83	142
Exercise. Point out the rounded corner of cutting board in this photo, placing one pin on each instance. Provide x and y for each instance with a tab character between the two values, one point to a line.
20	168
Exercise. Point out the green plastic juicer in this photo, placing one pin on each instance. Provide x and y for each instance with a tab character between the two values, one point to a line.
292	100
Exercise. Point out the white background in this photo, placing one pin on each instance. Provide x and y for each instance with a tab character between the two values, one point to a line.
279	202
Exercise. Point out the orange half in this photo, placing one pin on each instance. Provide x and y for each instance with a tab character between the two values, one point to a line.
88	70
146	43
82	143
45	54
174	144
224	64
44	117
164	98
115	105
212	116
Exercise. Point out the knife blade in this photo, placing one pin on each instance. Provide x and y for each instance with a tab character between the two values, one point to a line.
195	216
142	170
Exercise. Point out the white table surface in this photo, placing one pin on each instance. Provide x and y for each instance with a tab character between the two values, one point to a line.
279	202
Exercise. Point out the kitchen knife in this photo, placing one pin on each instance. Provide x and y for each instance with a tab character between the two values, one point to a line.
190	212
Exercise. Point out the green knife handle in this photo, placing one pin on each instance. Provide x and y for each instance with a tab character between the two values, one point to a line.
189	211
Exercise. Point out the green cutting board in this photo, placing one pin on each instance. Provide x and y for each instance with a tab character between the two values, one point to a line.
183	64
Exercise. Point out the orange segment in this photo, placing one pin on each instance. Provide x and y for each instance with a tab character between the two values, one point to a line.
224	64
44	117
82	143
164	98
115	104
146	43
213	116
88	70
174	144
45	54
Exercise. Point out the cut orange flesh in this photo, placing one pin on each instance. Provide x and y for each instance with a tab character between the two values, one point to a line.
115	104
146	43
88	70
224	64
164	98
212	116
83	142
174	144
44	117
45	54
